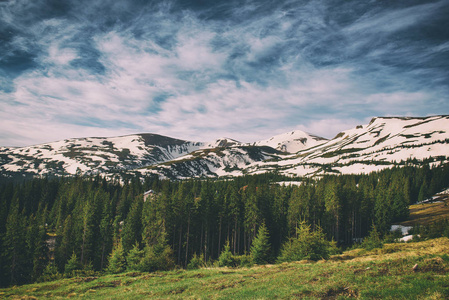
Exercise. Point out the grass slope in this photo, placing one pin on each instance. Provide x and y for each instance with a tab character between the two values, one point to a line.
385	273
427	213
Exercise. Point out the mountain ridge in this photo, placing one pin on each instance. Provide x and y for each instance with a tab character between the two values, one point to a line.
382	143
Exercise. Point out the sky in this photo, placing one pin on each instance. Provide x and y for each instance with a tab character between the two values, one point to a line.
201	70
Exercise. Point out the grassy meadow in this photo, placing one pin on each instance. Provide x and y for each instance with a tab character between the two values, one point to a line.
426	213
396	271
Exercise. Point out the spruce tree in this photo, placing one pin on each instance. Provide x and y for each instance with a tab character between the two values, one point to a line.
132	228
117	262
225	259
307	245
14	249
260	250
134	259
158	256
72	265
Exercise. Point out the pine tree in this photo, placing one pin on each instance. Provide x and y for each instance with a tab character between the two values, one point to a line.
132	229
307	245
50	273
333	208
134	258
15	247
373	240
251	216
66	244
72	265
117	262
225	259
37	246
423	192
158	256
105	232
260	250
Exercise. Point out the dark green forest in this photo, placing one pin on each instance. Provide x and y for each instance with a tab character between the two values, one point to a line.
60	225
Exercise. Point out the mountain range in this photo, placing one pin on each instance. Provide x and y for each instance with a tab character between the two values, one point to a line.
383	143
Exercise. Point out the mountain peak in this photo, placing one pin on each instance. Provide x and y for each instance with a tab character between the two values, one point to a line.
222	142
292	141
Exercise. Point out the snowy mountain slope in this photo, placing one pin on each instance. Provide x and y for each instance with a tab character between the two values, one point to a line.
214	162
383	143
292	142
222	142
94	155
388	139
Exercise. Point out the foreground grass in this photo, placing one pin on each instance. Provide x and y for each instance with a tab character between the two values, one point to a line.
385	273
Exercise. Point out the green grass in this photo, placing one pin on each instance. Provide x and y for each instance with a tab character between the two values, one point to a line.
427	213
385	273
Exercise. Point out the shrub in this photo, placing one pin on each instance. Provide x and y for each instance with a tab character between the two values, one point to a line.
372	241
226	259
242	260
50	273
158	257
196	262
307	245
72	265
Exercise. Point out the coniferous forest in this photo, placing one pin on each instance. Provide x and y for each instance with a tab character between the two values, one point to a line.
50	227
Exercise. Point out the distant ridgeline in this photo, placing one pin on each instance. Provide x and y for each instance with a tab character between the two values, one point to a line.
79	224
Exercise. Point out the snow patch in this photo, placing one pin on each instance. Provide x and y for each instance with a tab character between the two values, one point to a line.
404	229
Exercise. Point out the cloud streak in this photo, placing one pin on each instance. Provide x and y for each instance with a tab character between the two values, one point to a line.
197	71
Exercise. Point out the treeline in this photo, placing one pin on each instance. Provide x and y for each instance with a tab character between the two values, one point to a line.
79	221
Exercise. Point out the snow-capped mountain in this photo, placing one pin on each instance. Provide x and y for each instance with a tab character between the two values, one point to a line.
383	143
94	155
292	142
214	162
222	142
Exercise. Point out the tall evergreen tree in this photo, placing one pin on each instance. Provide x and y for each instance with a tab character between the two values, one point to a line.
132	228
14	249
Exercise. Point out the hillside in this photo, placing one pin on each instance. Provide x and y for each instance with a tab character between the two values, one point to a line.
386	273
436	209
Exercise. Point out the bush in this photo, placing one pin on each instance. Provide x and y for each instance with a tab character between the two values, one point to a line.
158	257
226	259
72	265
393	236
196	262
307	245
50	273
242	260
372	241
333	249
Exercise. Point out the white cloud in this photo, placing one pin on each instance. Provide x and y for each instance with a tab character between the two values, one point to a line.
393	20
189	77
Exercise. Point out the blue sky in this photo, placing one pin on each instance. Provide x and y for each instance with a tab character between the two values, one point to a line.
200	70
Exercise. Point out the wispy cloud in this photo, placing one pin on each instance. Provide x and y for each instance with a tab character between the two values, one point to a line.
199	72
